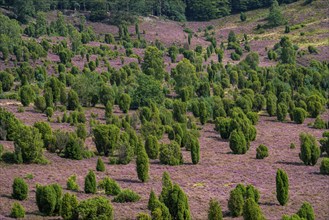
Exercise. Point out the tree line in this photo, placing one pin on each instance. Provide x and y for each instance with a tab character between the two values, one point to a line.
179	10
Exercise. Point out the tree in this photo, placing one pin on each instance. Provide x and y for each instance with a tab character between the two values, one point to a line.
271	104
153	64
26	94
195	150
148	90
238	143
111	187
275	17
215	210
179	111
324	168
69	207
124	102
100	165
167	187
142	164
243	16
71	183
23	9
28	146
7	81
20	189
90	183
179	207
236	202
184	75
152	147
72	100
282	111
207	9
106	138
40	103
309	150
288	53
282	187
252	211
48	199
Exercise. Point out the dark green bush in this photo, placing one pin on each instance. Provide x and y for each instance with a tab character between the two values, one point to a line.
236	202
235	56
253	117
223	126
324	168
124	102
152	147
215	210
72	100
40	103
100	165
238	143
20	189
126	195
271	104
49	112
282	111
26	94
143	216
48	199
262	152
142	164
81	131
282	187
71	183
178	204
171	154
69	205
17	211
299	115
243	16
90	183
95	208
309	150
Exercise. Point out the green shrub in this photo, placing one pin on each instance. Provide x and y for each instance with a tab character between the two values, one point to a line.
306	211
171	154
223	126
143	216
111	187
20	189
90	183
152	202
49	112
282	187
142	164
282	111
262	152
40	103
48	199
252	192
1	151
195	150
26	94
252	211
324	141
253	117
235	56
243	16
324	168
319	123
71	183
178	204
236	202
309	150
95	208
72	100
271	104
126	195
69	207
215	210
152	147
299	115
124	102
238	143
17	211
81	131
100	165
